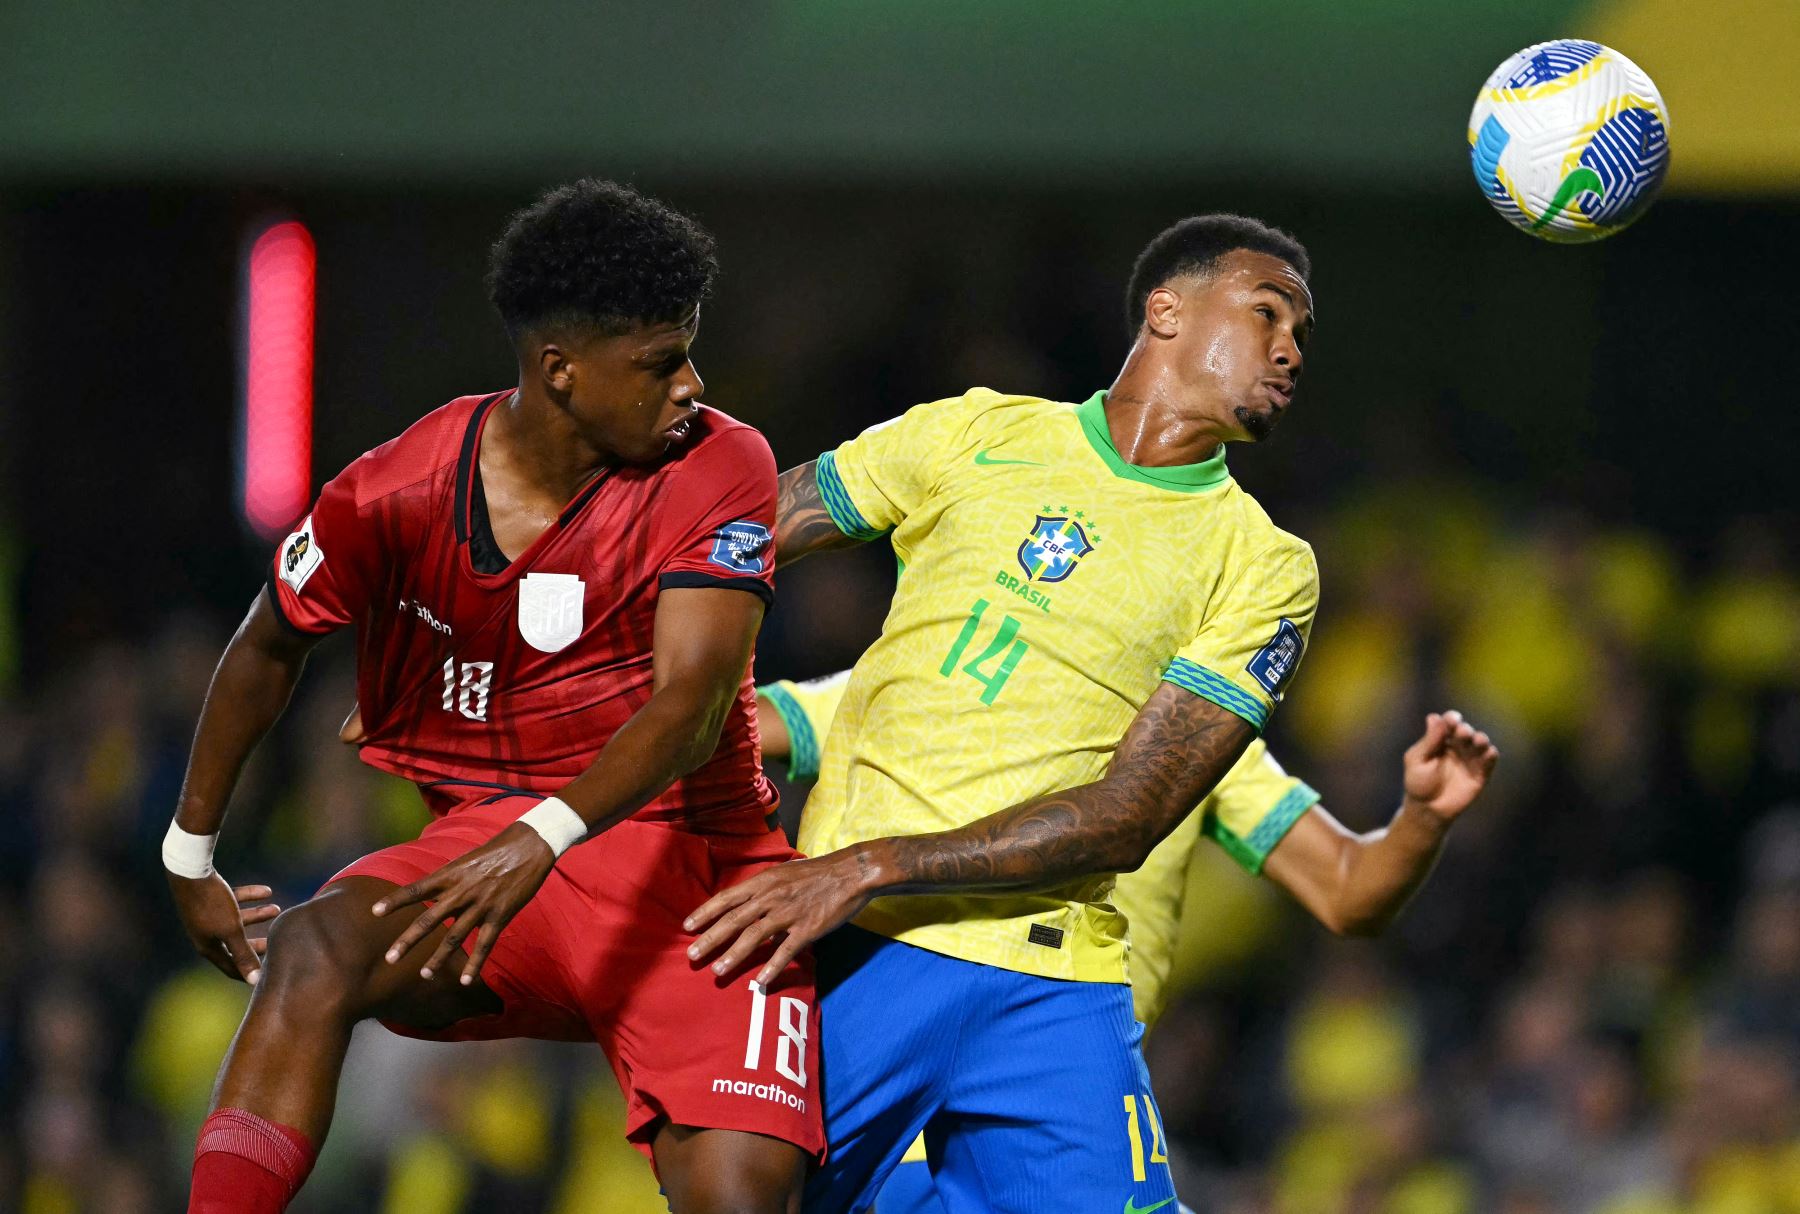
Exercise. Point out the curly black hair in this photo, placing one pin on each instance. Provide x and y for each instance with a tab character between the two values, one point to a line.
598	255
1194	246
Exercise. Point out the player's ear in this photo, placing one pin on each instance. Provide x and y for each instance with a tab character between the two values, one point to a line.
1162	312
557	369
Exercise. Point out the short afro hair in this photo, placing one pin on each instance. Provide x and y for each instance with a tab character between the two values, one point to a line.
598	255
1195	245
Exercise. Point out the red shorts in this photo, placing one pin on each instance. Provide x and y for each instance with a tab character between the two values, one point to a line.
599	954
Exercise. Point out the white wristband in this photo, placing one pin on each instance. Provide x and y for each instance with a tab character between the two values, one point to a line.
188	855
557	824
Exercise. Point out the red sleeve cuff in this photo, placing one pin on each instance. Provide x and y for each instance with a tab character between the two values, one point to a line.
754	585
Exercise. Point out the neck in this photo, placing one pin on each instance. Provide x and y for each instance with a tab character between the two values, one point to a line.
1151	416
536	442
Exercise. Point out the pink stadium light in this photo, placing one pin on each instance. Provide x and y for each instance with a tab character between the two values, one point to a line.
276	457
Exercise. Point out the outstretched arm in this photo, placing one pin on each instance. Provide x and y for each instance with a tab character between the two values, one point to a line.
250	688
1176	749
1356	884
802	524
702	642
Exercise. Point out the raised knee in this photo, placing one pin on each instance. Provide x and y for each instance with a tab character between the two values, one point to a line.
737	1203
312	957
724	1194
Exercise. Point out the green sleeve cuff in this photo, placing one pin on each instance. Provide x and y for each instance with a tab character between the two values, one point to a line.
1253	852
803	740
1191	676
838	505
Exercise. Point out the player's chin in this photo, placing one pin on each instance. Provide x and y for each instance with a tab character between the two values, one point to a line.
1258	422
654	448
668	439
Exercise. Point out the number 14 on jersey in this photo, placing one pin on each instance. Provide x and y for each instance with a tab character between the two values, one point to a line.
1003	651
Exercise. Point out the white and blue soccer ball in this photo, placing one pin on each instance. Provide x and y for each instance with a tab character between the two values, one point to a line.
1569	140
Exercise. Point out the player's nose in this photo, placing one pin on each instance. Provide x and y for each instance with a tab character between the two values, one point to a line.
687	386
1286	355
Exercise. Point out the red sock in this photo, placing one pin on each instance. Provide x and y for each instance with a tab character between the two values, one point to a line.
245	1165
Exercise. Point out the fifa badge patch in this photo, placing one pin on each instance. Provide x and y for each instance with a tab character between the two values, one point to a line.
741	547
550	610
300	557
1275	661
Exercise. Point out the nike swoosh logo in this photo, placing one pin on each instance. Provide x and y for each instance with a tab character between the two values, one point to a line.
1582	180
1132	1207
985	460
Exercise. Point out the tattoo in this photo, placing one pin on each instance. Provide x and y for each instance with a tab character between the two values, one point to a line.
802	524
1176	750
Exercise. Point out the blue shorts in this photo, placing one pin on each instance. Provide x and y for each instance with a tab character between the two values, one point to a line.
909	1190
1031	1092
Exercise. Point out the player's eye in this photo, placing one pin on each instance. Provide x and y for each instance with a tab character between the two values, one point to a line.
1264	310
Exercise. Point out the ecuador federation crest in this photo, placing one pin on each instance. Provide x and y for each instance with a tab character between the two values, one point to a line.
1056	545
550	610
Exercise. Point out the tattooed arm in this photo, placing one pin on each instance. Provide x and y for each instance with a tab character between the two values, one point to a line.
802	525
1177	748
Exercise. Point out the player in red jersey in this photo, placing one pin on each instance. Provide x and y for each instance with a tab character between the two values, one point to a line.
555	592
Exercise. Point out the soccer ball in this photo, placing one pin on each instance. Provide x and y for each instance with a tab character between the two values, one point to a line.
1569	140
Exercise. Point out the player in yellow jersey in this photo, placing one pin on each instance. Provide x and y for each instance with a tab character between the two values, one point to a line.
1258	814
1249	815
1092	624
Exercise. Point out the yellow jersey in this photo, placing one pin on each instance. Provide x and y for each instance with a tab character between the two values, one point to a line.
1247	815
1047	588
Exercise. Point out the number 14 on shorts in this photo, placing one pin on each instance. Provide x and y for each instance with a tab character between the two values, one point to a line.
1134	1129
790	1043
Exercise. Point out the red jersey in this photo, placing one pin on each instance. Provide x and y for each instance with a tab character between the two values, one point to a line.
472	670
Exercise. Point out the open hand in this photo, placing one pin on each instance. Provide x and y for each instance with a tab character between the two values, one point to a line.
1448	767
794	904
481	891
213	912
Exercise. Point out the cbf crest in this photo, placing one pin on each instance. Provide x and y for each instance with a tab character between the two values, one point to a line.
1056	545
550	610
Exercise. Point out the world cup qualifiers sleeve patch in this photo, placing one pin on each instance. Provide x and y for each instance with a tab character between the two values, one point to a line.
1275	661
741	547
300	557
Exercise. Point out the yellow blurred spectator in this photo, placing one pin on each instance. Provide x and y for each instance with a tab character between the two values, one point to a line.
1633	585
1520	646
1746	625
504	1117
605	1172
1358	675
186	1028
49	1194
427	1175
1746	1179
1352	1043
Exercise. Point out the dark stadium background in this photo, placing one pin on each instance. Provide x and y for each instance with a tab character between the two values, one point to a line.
1553	487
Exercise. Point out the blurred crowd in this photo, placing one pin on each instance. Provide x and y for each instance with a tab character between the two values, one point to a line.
1593	1008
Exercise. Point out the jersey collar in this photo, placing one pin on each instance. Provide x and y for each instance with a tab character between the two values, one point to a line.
1182	478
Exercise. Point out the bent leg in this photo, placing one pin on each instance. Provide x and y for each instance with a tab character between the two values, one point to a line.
1050	1110
728	1171
325	971
910	1188
886	1057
